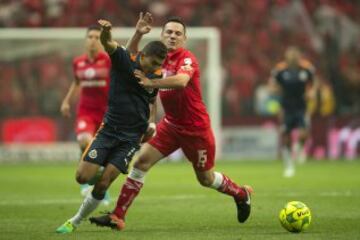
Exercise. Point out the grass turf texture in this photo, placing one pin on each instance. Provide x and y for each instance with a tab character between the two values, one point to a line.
37	198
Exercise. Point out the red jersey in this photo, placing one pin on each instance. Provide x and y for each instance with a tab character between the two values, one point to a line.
184	107
94	79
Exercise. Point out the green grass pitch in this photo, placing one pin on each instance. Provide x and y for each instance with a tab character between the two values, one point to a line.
36	198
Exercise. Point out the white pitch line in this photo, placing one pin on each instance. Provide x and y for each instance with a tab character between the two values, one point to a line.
174	197
79	200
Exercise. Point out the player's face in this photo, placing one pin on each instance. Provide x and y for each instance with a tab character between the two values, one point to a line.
292	56
151	63
173	36
92	42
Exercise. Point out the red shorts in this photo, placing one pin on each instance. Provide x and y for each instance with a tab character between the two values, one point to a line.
198	147
87	124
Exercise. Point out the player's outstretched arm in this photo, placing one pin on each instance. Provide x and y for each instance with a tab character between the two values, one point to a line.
179	80
143	26
105	37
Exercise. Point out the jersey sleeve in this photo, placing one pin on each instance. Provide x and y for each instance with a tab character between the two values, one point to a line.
118	57
187	65
74	64
309	67
276	72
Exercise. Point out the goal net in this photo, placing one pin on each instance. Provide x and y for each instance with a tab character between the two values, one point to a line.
37	71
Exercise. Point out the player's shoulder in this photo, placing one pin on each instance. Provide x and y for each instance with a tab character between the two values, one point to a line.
80	58
280	66
104	55
187	57
80	61
306	64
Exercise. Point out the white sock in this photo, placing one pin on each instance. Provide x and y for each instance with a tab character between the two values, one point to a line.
218	179
88	206
287	159
137	175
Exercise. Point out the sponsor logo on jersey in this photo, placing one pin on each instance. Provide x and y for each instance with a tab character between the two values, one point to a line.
90	73
93	83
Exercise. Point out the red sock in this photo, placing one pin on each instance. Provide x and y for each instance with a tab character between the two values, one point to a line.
230	188
129	191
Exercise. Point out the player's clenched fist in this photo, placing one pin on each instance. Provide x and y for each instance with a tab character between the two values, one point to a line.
106	25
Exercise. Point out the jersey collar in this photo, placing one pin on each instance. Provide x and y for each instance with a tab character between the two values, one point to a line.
175	53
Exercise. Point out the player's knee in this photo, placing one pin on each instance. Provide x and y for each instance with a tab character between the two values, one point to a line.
81	178
205	182
142	164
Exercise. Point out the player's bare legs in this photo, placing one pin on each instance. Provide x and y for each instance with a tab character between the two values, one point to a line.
147	158
300	147
84	139
224	184
85	172
289	168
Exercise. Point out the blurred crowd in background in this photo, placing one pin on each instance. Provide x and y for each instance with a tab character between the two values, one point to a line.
254	36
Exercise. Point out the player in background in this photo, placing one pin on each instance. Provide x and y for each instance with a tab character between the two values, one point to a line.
91	77
186	125
292	80
125	122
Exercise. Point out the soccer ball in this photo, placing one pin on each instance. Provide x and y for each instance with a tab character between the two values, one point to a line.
295	216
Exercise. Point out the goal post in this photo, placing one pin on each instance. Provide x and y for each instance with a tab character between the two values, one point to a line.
204	42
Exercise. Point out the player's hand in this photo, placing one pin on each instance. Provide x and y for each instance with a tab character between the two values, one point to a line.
65	109
143	25
150	132
143	80
105	24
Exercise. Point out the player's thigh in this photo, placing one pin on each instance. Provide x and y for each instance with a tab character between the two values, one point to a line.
302	124
122	154
165	139
96	153
200	149
147	157
289	124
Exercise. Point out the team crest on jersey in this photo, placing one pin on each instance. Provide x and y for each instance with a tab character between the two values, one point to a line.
93	154
89	73
187	61
303	75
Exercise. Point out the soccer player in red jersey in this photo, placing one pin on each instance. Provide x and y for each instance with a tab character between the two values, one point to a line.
186	125
91	78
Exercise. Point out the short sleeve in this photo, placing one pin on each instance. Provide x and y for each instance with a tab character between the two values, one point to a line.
187	65
74	65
